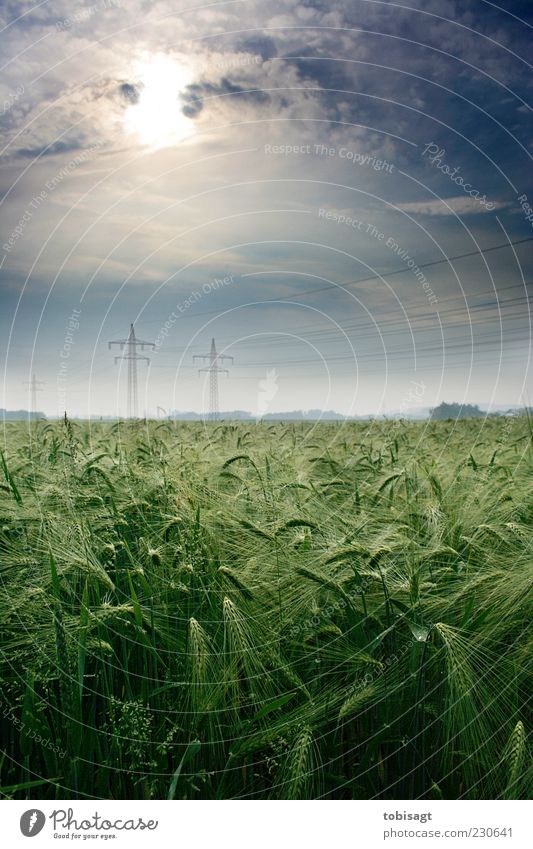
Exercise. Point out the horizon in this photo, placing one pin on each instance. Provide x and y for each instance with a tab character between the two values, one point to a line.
414	414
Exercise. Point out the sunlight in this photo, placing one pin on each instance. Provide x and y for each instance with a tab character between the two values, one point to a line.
157	119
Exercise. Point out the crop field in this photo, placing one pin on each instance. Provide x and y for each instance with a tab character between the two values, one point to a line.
266	610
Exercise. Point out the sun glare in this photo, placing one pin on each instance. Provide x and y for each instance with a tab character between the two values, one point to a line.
156	119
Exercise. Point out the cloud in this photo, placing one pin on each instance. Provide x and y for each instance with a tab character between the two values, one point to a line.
448	206
196	93
259	45
129	92
52	149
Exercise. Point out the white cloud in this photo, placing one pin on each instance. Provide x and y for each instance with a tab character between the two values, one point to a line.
448	206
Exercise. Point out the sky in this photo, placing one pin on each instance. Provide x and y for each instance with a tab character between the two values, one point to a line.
340	194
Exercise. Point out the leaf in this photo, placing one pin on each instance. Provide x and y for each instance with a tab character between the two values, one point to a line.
255	530
373	644
55	580
297	523
136	606
191	750
239	457
268	708
232	576
400	605
389	480
27	785
82	637
419	632
16	494
27	718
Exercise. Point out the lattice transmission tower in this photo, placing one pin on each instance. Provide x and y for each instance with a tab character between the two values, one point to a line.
213	370
130	345
35	387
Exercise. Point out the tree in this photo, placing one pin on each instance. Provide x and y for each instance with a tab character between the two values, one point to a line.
456	411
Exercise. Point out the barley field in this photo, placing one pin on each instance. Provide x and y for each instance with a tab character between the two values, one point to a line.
273	611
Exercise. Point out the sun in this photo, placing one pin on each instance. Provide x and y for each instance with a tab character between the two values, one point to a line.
156	118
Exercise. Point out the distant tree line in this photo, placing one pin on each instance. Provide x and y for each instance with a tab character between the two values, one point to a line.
17	415
456	411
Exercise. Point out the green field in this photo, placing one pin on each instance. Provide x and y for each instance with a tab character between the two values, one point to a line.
266	610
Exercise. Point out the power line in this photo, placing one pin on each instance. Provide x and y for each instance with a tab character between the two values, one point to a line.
508	310
406	268
403	270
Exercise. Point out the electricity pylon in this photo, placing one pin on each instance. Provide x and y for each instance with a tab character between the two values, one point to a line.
213	370
35	387
131	344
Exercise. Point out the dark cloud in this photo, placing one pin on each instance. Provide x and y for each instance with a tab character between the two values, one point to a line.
327	73
329	76
129	93
260	45
13	114
57	147
196	93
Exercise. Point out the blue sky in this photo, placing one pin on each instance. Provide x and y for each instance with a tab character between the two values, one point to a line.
342	167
